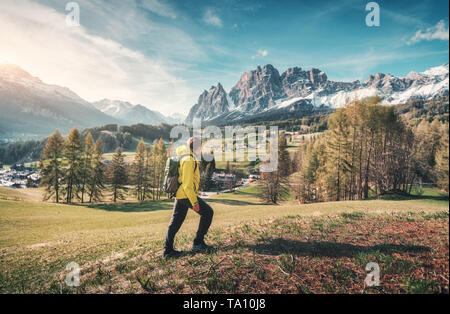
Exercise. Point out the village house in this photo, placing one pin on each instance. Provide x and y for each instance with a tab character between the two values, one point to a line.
224	180
19	176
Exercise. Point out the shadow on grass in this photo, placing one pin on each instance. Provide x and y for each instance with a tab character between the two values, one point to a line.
148	206
414	197
232	202
402	196
280	246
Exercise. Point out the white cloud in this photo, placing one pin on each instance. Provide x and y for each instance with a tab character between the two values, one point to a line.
160	8
210	17
439	31
261	53
37	38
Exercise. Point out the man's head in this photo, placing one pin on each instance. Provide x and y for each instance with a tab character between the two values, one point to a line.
195	145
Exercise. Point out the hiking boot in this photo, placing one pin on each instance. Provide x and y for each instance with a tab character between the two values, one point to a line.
172	254
202	247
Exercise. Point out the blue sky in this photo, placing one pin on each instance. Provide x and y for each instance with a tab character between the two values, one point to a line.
164	53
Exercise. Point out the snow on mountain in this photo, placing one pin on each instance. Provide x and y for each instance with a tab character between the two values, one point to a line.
265	90
394	90
131	114
439	70
429	84
113	107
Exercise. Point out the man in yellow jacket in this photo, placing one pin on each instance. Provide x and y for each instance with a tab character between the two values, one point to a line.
186	197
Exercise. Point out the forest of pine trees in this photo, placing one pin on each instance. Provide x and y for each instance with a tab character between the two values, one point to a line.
369	150
147	170
74	170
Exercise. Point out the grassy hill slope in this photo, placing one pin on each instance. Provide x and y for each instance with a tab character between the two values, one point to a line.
261	248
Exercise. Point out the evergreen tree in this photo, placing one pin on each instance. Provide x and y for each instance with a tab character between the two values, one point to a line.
275	185
148	173
338	146
97	175
160	157
138	170
367	147
86	163
51	167
442	162
427	143
284	162
73	159
154	170
118	174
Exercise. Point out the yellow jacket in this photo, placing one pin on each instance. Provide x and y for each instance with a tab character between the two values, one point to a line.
189	175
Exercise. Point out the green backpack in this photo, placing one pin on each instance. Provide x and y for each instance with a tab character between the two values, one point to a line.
171	174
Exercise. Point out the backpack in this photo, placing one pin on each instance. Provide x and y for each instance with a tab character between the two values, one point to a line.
171	174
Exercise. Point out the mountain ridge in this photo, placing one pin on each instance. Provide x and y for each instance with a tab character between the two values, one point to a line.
32	109
132	114
265	90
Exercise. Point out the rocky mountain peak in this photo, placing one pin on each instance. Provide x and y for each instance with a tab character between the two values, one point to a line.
375	80
263	91
211	103
296	81
257	89
317	77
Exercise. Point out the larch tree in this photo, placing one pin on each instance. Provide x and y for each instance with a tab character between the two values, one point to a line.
442	161
275	185
118	174
138	170
86	163
73	160
338	145
148	173
367	147
51	167
160	157
97	175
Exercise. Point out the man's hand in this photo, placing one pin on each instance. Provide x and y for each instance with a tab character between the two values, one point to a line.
196	207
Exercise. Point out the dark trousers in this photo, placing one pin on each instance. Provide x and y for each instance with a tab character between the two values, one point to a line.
180	209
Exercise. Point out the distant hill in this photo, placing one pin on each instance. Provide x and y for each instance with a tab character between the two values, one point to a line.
131	114
32	109
111	135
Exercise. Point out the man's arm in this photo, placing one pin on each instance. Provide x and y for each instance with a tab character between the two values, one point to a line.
187	181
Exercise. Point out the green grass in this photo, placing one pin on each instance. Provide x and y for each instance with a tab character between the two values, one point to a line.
10	194
37	240
27	194
431	193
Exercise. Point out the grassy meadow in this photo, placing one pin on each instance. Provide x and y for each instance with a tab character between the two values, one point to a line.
261	248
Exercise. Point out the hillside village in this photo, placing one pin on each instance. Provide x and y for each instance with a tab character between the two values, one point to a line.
19	176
